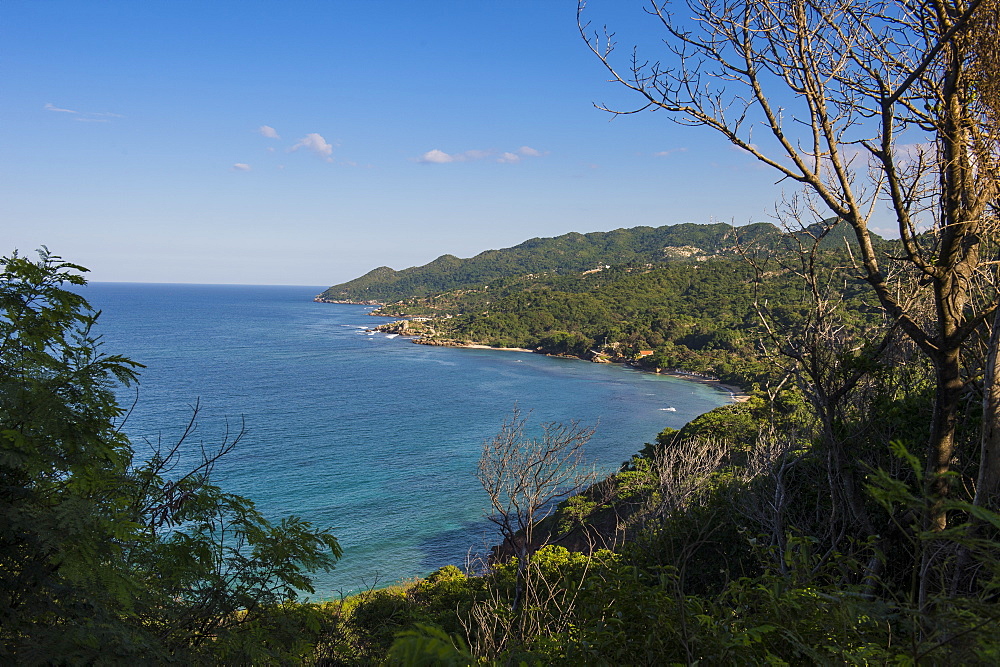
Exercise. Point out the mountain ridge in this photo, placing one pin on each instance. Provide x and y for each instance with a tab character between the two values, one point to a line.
570	252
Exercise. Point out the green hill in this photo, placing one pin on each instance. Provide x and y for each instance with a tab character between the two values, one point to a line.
670	297
569	253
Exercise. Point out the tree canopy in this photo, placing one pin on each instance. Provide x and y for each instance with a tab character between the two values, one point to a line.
105	555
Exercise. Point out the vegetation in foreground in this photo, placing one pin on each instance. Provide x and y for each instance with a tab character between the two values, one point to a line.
106	556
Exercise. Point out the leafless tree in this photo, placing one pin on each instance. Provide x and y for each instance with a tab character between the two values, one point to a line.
830	347
526	477
865	104
683	470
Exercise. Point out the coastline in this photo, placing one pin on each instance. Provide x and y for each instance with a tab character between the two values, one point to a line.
319	298
736	394
422	336
468	346
478	346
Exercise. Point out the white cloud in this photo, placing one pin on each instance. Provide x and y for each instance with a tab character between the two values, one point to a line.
85	116
669	152
241	166
437	156
315	143
268	131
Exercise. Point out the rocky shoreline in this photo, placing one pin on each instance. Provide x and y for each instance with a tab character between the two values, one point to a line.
320	299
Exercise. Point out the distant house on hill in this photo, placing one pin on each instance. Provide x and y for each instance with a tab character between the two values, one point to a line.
644	353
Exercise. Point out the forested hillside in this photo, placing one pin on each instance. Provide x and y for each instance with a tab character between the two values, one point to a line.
568	253
693	311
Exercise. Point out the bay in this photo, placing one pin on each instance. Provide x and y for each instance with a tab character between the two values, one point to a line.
376	438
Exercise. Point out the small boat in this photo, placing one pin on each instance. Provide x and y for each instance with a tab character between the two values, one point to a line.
670	409
391	335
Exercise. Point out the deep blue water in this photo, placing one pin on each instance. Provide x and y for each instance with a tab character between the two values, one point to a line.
373	437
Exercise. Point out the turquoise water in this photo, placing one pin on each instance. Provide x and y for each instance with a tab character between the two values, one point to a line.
376	438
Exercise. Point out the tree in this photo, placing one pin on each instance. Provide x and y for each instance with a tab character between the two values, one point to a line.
862	102
526	477
831	345
103	555
985	67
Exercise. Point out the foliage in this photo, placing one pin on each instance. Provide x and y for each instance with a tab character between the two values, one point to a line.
107	557
524	477
711	580
841	91
792	528
361	629
426	645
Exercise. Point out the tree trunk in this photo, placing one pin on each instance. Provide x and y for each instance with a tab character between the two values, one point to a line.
940	450
941	446
988	483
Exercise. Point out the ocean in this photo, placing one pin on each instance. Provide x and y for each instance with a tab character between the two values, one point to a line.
371	436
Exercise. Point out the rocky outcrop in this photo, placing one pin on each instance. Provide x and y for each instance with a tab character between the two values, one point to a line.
398	327
406	328
321	299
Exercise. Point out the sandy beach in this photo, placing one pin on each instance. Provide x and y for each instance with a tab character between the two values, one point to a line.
471	346
476	346
736	393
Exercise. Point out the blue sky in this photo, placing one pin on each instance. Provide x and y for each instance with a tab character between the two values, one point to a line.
309	142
